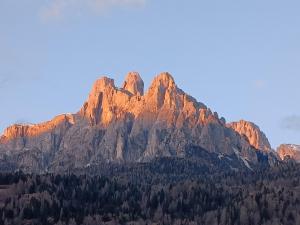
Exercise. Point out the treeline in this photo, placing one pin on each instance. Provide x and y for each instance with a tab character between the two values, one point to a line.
268	196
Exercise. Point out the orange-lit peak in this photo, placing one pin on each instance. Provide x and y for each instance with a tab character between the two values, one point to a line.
165	78
162	82
30	130
102	84
253	133
134	84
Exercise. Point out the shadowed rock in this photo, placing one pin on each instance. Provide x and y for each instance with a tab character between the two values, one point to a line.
124	124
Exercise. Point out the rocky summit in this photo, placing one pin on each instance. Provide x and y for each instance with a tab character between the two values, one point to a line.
126	124
289	151
253	134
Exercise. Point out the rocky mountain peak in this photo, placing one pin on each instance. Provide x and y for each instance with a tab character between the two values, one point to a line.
164	92
123	124
163	80
253	134
134	84
102	84
289	151
102	90
31	130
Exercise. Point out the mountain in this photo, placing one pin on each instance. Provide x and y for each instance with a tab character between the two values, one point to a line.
253	134
258	140
289	151
127	125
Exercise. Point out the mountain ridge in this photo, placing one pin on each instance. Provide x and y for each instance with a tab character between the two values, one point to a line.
127	124
289	151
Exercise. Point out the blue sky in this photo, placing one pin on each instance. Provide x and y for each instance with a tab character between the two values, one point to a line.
241	58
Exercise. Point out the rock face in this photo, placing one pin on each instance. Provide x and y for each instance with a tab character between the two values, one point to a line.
253	134
126	125
134	84
289	151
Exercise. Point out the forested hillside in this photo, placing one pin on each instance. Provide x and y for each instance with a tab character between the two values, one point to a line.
160	195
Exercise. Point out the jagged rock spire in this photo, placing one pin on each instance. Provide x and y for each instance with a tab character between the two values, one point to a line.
134	84
92	107
126	124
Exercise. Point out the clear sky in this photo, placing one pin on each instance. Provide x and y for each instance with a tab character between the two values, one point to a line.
241	58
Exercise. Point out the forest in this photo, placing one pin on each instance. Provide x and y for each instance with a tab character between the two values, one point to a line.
165	191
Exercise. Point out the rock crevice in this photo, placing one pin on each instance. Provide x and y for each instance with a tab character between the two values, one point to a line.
126	124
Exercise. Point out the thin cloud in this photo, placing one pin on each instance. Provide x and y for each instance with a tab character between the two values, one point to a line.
58	9
259	84
3	81
291	123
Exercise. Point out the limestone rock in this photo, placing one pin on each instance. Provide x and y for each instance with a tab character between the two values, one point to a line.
134	84
31	130
290	151
253	134
127	125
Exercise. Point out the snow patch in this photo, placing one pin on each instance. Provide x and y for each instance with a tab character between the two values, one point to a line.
295	147
246	163
237	153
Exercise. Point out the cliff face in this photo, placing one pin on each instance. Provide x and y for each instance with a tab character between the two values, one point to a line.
252	133
289	151
24	131
124	124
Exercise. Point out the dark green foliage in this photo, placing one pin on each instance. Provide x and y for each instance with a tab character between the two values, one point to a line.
161	192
